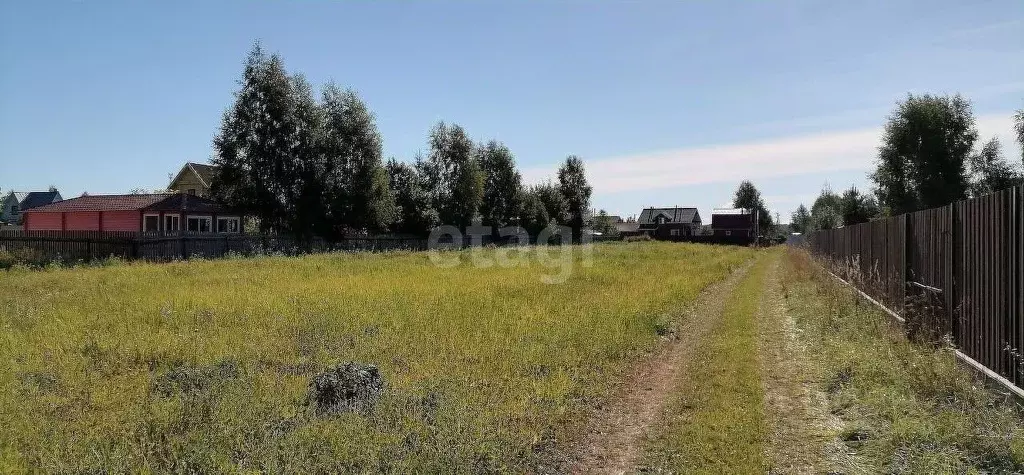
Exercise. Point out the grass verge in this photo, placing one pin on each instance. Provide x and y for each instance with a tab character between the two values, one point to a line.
905	408
717	423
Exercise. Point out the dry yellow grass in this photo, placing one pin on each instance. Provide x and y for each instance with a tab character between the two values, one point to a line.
205	366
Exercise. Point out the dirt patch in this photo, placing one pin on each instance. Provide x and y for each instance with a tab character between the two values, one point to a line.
616	433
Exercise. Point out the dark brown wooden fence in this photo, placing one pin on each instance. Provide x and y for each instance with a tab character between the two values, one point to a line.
966	259
73	246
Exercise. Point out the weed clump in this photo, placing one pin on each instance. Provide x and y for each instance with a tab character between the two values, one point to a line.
190	379
348	387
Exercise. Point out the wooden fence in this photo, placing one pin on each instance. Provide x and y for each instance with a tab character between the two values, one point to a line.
71	246
966	259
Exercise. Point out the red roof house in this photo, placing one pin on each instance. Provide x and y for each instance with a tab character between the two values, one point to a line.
147	212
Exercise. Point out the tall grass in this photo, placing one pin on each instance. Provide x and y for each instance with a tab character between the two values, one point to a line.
204	366
905	407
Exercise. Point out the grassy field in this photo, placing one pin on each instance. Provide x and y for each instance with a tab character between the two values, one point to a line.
205	366
903	407
716	423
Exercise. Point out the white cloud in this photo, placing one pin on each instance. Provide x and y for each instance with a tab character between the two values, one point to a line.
815	153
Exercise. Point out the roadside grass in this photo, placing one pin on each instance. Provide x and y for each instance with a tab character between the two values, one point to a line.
717	424
905	408
205	366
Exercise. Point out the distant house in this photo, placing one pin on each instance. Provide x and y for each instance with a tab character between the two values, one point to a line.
193	179
736	222
669	223
17	202
147	212
627	229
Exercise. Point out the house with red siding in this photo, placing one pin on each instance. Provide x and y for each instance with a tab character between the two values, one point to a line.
163	212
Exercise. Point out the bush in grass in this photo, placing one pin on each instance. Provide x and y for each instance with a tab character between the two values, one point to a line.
348	387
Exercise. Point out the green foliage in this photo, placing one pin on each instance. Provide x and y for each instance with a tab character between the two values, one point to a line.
922	162
575	191
749	197
452	175
1018	127
800	221
554	202
415	211
855	208
826	210
603	224
502	202
534	217
990	172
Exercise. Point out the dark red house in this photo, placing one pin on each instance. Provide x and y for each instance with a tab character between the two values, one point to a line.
147	212
737	222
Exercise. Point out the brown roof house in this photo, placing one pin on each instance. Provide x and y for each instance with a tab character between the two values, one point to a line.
669	223
154	212
194	179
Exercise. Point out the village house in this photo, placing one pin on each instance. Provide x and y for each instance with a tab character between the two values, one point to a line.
669	223
193	179
17	202
158	212
734	222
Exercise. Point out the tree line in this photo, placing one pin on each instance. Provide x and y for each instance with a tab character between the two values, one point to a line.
929	157
314	167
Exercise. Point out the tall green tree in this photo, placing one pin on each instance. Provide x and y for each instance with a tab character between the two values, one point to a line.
452	175
826	211
575	191
501	204
747	196
306	210
1018	127
255	145
855	208
554	203
534	215
415	215
800	221
990	172
357	183
922	162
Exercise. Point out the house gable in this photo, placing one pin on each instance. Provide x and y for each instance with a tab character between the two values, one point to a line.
193	179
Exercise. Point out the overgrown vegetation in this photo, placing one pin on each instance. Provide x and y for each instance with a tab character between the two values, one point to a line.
905	408
209	366
717	425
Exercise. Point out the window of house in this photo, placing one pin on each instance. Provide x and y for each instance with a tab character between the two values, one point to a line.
151	222
227	225
192	191
199	224
172	222
14	209
673	232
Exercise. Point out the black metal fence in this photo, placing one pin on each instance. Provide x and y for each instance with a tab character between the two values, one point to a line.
966	259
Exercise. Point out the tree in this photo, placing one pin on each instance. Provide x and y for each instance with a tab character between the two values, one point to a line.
800	222
255	145
989	172
553	202
923	157
1018	126
502	191
575	191
825	212
603	224
452	175
748	197
304	202
414	214
357	190
533	215
855	208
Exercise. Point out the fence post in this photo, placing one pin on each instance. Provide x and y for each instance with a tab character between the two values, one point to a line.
908	252
954	246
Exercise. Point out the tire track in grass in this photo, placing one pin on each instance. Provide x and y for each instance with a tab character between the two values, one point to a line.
614	441
715	422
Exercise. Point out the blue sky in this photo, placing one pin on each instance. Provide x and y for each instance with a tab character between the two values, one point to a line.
669	103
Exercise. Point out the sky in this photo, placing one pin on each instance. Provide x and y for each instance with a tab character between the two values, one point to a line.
669	103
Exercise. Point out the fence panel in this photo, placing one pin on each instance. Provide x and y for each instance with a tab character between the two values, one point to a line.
967	257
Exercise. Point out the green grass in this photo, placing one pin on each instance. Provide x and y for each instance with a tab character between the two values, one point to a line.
204	366
717	422
905	408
